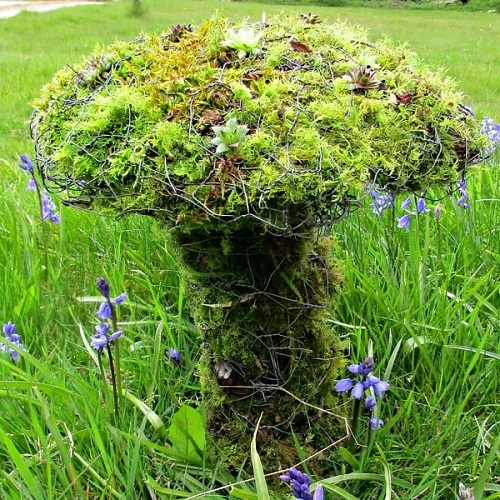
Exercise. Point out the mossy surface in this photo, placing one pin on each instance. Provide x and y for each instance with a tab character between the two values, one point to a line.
130	128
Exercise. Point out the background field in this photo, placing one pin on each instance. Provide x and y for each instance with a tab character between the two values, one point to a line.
419	295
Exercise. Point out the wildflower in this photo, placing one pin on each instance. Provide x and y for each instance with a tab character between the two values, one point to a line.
379	386
464	200
106	308
370	403
380	200
301	485
175	355
406	204
364	368
404	222
376	424
103	287
465	493
421	206
26	164
358	391
368	385
344	385
492	131
101	339
437	212
48	209
9	330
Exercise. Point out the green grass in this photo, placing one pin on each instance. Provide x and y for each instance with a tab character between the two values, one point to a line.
428	299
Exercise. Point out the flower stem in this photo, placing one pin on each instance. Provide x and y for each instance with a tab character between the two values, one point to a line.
113	381
104	381
118	387
354	424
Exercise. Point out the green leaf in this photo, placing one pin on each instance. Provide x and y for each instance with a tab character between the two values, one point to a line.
260	479
243	494
187	434
349	458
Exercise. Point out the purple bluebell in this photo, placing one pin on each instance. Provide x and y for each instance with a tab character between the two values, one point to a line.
404	222
358	390
406	203
101	339
301	485
367	385
175	355
103	287
9	330
105	310
370	403
26	164
364	368
379	386
464	200
381	200
492	131
48	209
376	423
344	385
437	212
421	208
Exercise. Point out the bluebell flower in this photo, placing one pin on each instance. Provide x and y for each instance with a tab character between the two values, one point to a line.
48	209
406	203
421	208
9	330
370	403
437	212
492	131
367	385
358	390
26	164
103	287
379	386
364	368
464	200
404	222
381	200
301	485
101	339
344	385
376	423
105	310
175	355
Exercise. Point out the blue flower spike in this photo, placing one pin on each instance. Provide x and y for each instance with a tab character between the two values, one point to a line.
101	339
9	330
301	485
105	310
175	355
366	386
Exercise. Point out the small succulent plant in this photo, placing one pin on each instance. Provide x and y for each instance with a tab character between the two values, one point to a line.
244	40
95	71
178	31
363	78
229	136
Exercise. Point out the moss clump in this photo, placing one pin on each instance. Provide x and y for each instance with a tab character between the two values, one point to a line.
312	112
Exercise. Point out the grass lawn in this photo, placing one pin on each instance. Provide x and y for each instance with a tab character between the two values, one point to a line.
429	299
